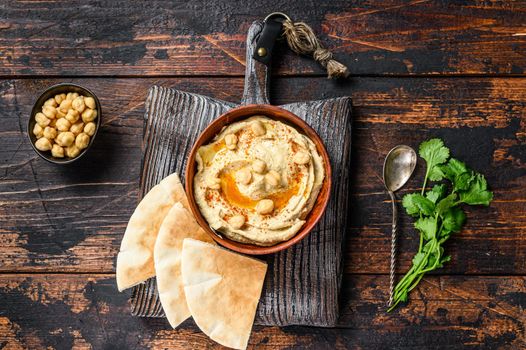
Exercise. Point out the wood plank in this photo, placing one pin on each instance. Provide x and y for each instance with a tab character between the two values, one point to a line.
208	37
83	311
72	218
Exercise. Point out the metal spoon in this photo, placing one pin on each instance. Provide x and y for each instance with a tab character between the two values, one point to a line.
399	164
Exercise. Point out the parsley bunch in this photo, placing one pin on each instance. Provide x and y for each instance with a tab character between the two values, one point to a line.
438	211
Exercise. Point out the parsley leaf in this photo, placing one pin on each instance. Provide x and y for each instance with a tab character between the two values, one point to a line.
444	234
454	218
434	152
427	226
453	168
427	246
445	259
436	173
446	203
478	193
416	204
436	193
417	259
463	181
409	205
457	172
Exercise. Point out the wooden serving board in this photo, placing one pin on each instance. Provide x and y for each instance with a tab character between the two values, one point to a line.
303	282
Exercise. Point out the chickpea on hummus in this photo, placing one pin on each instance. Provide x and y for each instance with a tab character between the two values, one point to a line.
257	181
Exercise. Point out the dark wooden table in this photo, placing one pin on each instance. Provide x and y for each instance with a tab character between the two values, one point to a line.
420	69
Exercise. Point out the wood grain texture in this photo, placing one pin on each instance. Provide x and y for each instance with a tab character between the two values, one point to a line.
257	75
78	213
208	37
70	220
85	311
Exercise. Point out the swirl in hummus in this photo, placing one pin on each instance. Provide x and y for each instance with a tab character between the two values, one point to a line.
257	181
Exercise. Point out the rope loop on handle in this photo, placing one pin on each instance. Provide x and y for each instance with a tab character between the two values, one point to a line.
302	40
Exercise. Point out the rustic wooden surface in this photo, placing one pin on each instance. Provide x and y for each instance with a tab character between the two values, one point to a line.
421	69
208	37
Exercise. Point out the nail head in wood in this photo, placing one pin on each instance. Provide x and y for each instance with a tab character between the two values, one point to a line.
262	52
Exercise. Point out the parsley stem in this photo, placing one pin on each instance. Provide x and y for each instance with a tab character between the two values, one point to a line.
436	262
425	181
410	276
397	301
403	281
416	282
404	284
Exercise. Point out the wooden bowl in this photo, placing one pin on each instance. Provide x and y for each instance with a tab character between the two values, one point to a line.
281	115
37	107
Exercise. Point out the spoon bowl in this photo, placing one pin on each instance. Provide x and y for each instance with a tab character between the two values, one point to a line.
399	164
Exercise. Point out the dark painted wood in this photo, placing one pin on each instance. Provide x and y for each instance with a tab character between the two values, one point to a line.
451	312
79	213
208	37
70	220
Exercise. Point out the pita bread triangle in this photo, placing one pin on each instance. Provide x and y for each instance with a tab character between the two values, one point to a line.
178	225
222	291
135	259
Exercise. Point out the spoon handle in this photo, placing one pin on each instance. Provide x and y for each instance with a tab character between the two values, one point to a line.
393	248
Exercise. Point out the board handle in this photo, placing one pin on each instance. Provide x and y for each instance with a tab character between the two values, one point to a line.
257	74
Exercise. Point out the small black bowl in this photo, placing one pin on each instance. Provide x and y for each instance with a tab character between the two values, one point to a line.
51	92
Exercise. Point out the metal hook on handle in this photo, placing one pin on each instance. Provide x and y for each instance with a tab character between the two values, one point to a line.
277	14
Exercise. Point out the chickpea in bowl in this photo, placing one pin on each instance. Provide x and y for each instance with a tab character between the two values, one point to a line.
64	122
